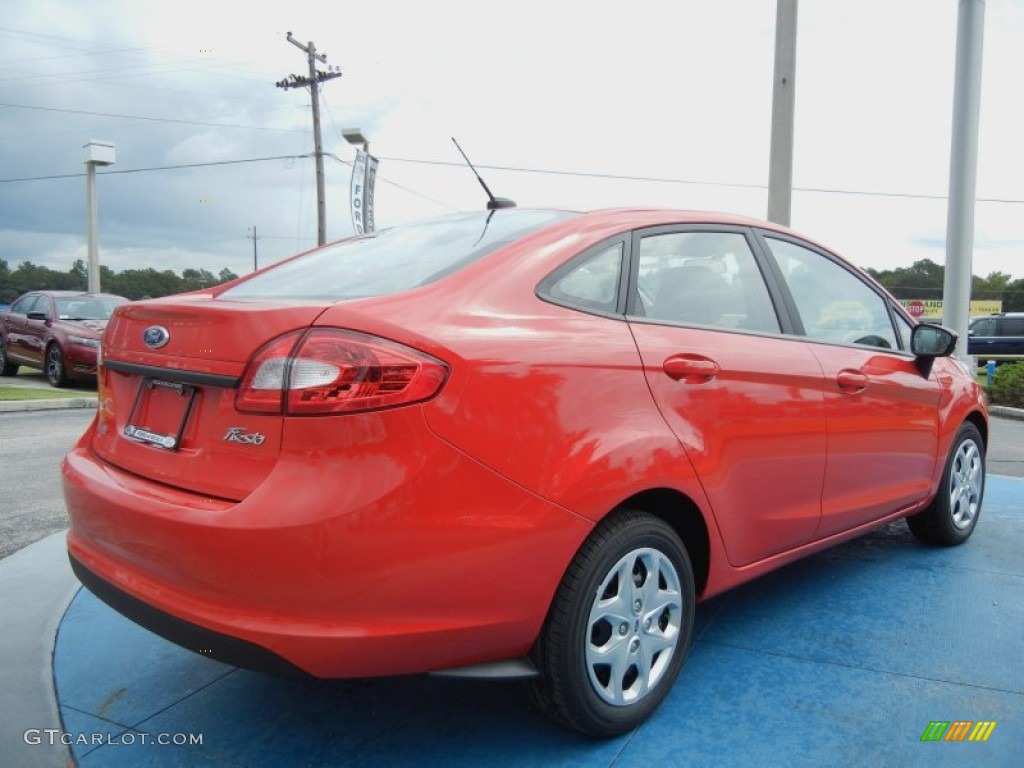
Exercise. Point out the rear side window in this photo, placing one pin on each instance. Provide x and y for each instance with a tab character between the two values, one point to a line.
590	282
1013	326
396	259
703	278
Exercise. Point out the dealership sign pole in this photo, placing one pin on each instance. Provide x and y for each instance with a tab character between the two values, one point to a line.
364	174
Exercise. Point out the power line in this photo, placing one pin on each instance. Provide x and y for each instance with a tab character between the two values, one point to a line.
159	168
149	119
670	180
396	184
546	171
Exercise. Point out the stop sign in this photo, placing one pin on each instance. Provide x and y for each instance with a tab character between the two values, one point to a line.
915	308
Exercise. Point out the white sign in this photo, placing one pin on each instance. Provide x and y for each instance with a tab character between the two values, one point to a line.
364	174
357	190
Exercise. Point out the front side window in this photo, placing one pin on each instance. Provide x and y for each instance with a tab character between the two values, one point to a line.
833	303
396	259
904	328
985	326
20	307
703	278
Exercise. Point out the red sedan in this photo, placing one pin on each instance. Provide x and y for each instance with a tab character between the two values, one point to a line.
55	331
521	442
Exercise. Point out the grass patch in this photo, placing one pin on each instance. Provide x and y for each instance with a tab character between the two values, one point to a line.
25	393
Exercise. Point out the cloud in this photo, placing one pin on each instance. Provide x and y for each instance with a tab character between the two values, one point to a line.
678	90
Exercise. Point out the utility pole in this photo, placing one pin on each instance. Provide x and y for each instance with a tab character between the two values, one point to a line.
313	81
963	170
255	260
780	162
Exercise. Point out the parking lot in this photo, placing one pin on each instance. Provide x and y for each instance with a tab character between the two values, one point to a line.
841	659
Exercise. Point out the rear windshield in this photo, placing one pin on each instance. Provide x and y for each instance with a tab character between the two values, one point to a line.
397	259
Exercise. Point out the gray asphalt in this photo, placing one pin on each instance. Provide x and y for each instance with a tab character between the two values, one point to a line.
33	443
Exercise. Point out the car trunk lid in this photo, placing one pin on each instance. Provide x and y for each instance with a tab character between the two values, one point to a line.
167	391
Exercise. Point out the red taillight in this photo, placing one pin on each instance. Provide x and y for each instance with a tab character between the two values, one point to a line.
328	370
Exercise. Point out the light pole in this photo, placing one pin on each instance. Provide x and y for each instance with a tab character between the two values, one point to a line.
364	173
96	153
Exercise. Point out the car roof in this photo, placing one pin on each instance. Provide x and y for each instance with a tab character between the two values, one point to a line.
75	294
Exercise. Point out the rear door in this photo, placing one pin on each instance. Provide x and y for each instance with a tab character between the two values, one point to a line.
1011	335
882	413
744	400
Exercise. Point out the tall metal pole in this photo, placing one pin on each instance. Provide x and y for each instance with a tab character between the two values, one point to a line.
97	152
780	163
321	208
255	260
93	227
963	170
313	81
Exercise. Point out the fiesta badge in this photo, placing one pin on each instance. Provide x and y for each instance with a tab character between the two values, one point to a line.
156	336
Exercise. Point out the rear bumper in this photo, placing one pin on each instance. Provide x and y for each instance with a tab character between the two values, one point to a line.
444	565
215	645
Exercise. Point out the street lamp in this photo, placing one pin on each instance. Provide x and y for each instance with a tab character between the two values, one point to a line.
354	136
364	173
96	153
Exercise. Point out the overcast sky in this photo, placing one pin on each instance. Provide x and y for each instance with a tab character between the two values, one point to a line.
676	95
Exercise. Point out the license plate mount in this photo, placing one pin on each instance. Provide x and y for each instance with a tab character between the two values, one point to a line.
160	412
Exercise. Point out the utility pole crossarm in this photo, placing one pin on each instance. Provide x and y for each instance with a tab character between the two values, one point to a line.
313	81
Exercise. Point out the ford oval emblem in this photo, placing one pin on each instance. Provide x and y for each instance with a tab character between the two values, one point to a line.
156	336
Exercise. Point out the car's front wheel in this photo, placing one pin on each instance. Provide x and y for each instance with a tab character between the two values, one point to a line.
56	373
950	519
619	628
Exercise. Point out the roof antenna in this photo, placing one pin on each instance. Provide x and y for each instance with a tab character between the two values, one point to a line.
494	203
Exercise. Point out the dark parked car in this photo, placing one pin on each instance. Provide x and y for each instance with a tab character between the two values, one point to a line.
516	443
1001	334
55	331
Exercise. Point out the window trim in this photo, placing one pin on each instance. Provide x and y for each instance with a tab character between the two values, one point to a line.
543	289
767	276
763	235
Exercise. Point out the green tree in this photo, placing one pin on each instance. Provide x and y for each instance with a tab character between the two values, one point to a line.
1013	296
922	280
79	275
990	287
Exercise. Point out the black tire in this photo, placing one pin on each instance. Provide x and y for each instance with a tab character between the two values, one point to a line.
7	368
952	516
56	371
591	616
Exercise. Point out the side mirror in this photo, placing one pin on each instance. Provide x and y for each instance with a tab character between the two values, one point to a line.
37	316
928	340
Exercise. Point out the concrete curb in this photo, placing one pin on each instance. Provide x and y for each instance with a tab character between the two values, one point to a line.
9	406
1006	412
36	586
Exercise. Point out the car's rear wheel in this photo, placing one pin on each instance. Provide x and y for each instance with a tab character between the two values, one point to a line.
7	368
950	519
56	372
619	628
